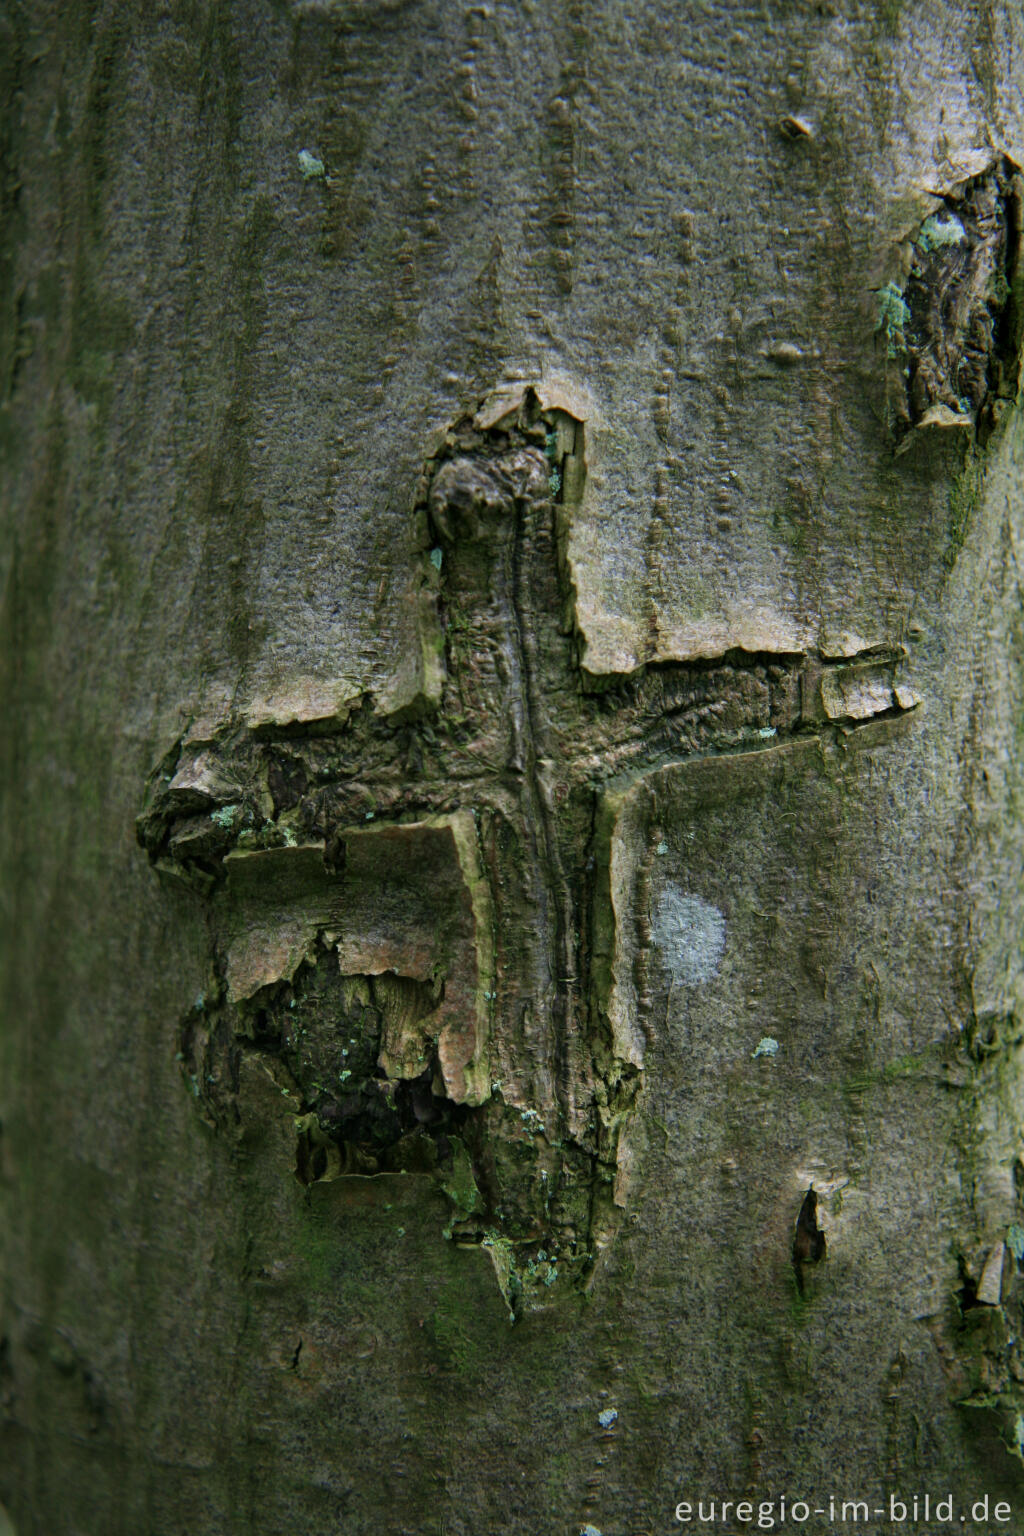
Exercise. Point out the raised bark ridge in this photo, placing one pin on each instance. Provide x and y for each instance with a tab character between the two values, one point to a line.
420	922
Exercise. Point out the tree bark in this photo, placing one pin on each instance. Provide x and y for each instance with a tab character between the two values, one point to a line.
513	996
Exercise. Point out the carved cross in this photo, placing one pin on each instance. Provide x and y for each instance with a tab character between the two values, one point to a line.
418	920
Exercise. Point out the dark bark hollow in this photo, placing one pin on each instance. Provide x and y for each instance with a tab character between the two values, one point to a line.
952	324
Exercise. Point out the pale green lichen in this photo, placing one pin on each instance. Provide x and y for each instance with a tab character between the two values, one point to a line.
502	1256
937	232
541	1271
226	816
766	1046
893	314
436	556
311	167
1015	1241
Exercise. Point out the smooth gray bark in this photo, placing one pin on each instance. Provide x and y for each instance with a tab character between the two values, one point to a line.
696	765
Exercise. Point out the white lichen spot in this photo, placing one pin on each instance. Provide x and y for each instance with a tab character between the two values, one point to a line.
607	1417
937	232
766	732
590	1530
436	557
311	166
691	935
661	849
766	1046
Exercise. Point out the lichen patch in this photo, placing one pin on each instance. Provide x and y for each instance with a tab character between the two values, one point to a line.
690	933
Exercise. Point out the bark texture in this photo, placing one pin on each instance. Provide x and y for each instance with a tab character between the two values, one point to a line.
512	647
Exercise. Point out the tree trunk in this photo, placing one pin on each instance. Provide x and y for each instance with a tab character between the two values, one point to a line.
512	841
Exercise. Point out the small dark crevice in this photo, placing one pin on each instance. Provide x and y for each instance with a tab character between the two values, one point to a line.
369	1125
295	1355
809	1241
286	781
327	1030
967	1295
1018	1179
